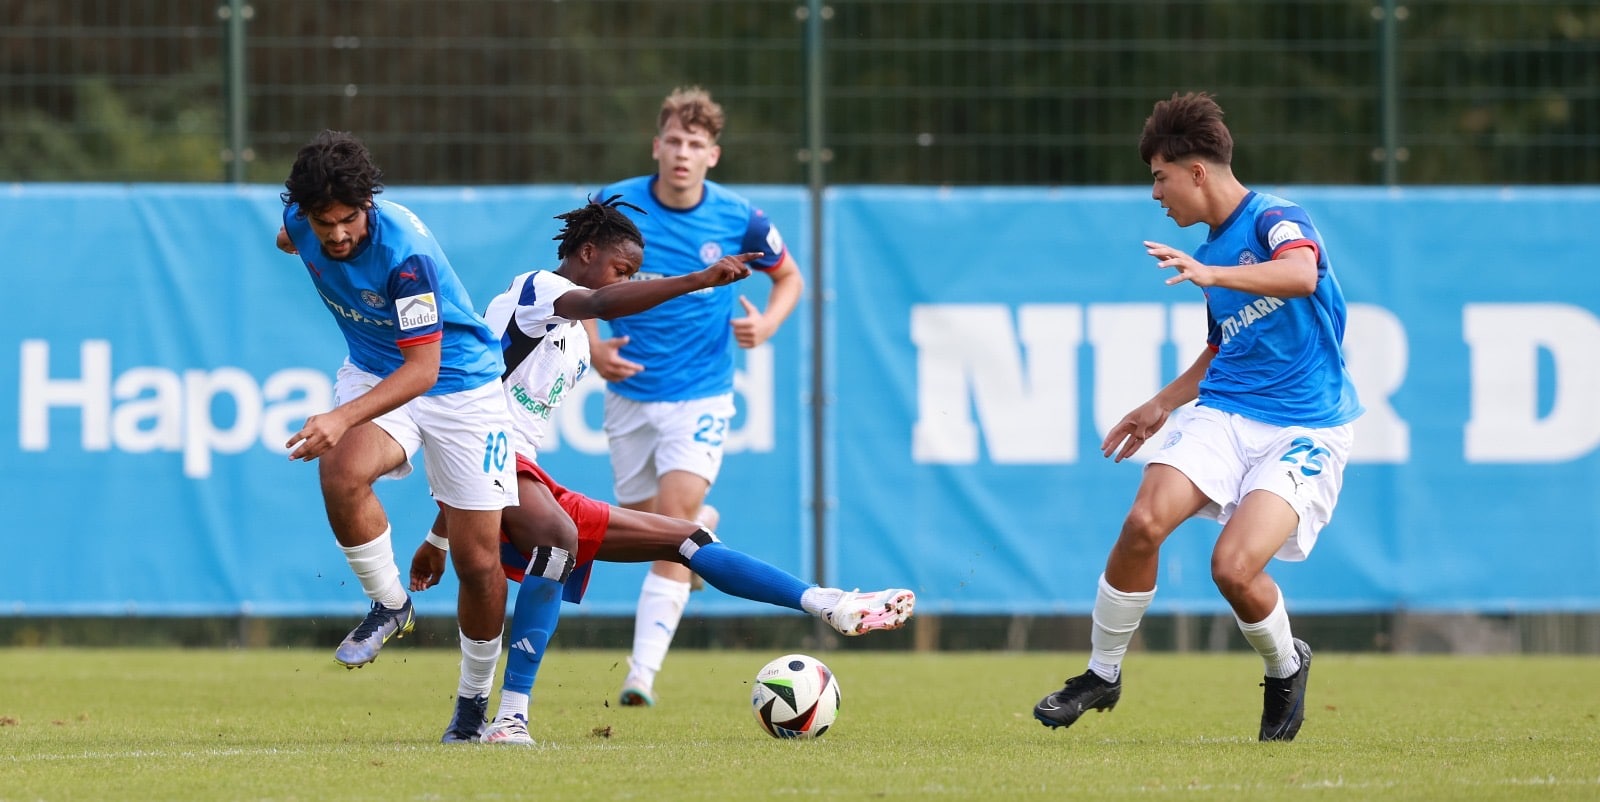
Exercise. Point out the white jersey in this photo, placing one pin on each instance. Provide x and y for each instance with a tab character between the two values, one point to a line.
545	354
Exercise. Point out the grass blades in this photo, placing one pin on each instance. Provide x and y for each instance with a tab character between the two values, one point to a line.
293	725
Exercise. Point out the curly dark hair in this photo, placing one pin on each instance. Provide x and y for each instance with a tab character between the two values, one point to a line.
334	167
1184	126
599	222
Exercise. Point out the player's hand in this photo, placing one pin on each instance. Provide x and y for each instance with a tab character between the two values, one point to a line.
285	244
317	437
754	328
729	269
1188	269
605	357
1133	430
427	566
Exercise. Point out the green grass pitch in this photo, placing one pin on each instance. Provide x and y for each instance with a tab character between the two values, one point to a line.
291	725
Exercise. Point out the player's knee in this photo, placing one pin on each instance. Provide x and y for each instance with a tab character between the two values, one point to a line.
338	481
1142	532
563	534
528	530
1232	574
476	566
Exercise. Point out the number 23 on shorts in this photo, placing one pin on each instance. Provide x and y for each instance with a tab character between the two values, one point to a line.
710	429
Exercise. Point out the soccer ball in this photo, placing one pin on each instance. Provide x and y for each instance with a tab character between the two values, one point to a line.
795	696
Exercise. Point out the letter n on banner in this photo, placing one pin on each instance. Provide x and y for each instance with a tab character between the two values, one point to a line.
970	360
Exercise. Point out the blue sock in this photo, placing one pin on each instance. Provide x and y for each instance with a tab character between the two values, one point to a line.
738	574
534	619
532	623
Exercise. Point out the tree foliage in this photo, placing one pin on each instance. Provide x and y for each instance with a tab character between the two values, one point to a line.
914	91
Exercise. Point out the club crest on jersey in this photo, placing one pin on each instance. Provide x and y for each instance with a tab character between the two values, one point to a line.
1247	257
373	299
417	311
710	252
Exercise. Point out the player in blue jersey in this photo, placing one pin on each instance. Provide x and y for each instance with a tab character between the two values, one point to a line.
669	370
1263	450
552	538
422	371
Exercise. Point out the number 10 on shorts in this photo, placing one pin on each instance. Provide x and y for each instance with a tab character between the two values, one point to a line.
495	451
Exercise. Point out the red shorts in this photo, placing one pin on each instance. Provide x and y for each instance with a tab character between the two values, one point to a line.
592	518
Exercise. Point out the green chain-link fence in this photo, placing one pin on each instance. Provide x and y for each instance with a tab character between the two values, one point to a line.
908	91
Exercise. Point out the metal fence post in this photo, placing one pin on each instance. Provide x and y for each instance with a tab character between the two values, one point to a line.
236	153
1389	15
815	155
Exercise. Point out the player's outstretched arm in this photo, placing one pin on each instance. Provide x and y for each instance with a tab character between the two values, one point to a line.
1292	275
630	297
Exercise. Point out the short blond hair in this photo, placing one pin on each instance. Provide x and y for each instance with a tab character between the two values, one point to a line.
693	108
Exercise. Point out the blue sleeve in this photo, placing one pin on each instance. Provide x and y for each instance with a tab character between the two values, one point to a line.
300	234
761	235
414	286
1283	227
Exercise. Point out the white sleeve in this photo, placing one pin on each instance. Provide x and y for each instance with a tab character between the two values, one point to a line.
531	300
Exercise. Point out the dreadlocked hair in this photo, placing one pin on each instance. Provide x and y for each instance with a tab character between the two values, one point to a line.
598	222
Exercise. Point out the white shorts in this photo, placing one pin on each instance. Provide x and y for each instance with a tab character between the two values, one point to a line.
650	438
464	437
1228	456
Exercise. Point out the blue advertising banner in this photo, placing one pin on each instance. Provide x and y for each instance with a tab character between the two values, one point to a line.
986	339
979	342
163	351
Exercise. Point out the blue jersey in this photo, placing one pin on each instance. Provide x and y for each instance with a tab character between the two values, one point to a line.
397	290
1278	360
686	344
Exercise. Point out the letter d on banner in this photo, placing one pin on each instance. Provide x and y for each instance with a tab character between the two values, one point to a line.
1505	340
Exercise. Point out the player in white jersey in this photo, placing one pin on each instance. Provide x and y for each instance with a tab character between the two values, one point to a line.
1263	450
669	371
552	538
421	373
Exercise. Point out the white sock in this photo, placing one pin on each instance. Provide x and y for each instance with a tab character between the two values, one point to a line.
374	565
661	603
1274	641
817	601
1116	616
478	661
513	704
